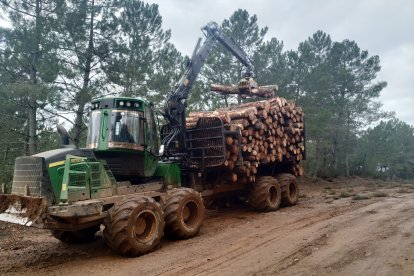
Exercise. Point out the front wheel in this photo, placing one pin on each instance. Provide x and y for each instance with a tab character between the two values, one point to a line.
184	213
134	226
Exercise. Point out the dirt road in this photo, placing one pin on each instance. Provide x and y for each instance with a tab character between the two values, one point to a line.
330	232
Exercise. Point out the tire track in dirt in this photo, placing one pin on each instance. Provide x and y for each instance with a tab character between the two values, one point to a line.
345	247
258	240
239	241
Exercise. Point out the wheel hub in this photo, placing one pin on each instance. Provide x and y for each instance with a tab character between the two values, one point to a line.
190	214
186	213
140	226
292	190
273	194
145	225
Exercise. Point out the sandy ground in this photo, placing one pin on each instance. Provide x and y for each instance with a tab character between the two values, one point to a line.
334	230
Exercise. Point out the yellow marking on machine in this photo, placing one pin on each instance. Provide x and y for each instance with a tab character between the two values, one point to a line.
58	163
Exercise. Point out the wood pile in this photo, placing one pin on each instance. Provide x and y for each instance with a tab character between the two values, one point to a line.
259	133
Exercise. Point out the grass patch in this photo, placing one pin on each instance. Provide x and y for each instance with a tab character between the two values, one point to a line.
328	188
332	192
380	194
344	194
303	196
349	190
360	197
336	197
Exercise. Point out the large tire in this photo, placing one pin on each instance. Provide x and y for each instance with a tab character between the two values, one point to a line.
76	237
184	213
290	194
265	194
134	226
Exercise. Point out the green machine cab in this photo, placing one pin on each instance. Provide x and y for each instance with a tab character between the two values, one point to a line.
123	132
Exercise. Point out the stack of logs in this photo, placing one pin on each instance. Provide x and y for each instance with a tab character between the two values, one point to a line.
262	132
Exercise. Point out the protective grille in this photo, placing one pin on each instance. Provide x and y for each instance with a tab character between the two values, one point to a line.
109	172
77	175
95	174
77	179
29	176
206	144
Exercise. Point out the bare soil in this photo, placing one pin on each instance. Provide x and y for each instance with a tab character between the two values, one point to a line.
343	227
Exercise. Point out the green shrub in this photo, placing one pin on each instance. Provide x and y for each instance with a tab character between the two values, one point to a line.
344	194
360	197
380	194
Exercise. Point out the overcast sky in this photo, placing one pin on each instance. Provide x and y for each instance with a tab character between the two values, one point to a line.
384	28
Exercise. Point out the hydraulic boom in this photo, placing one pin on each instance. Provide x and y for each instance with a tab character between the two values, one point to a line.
174	110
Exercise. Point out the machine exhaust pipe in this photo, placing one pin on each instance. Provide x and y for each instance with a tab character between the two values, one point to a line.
64	137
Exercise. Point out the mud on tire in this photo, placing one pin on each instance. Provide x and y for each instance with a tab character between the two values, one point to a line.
184	213
134	226
265	194
290	192
76	237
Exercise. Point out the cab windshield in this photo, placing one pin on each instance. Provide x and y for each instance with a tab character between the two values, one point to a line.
126	127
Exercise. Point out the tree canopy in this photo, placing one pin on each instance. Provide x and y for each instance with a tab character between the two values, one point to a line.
57	56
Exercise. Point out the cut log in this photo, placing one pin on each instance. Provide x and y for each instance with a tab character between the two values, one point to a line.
261	91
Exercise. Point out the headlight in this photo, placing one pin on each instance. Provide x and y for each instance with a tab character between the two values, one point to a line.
121	103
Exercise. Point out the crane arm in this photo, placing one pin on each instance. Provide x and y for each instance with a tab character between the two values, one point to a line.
176	103
213	29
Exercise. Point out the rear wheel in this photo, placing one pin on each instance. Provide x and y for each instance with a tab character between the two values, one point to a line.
265	195
184	213
76	237
135	226
290	194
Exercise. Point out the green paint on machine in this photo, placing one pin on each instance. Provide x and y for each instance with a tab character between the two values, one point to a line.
170	172
123	131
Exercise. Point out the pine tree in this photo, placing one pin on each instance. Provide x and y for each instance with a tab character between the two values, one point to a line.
28	55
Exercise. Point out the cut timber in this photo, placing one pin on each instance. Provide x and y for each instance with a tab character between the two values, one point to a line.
263	132
261	91
192	119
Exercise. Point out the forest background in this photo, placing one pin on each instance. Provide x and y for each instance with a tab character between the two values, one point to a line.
56	56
